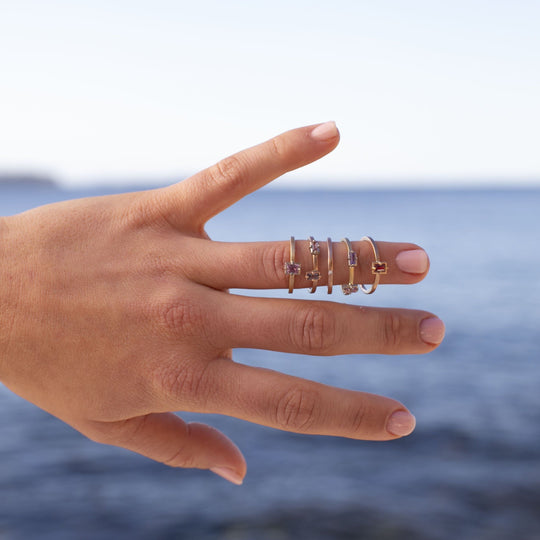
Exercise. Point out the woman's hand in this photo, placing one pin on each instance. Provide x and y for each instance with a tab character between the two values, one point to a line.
114	311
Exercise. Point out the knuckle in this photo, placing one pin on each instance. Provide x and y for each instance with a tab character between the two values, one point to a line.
391	330
314	330
181	383
273	259
358	418
276	147
297	409
181	317
228	172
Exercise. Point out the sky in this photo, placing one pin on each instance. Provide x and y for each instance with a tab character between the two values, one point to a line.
424	93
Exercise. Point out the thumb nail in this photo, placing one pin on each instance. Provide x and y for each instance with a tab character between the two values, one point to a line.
229	474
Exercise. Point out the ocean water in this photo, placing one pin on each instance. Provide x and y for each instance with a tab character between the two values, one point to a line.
471	470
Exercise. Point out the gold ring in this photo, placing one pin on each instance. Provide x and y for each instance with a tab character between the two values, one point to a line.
378	267
330	265
352	263
292	268
314	275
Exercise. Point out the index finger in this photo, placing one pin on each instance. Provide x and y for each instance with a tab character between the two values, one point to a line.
208	192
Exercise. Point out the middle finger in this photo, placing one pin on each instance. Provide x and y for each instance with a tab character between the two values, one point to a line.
259	265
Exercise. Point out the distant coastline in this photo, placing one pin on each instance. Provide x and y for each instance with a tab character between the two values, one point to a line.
29	180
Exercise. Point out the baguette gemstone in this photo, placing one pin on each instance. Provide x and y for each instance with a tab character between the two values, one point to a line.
292	269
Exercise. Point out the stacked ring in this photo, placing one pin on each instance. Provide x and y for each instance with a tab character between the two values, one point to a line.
378	267
330	265
292	268
314	275
352	263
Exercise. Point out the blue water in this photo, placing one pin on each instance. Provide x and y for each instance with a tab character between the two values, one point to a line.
471	470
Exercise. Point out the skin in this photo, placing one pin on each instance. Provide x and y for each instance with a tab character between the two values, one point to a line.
115	311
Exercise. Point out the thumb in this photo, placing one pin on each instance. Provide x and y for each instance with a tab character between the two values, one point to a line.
166	438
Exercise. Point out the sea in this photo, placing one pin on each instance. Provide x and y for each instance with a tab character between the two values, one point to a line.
470	470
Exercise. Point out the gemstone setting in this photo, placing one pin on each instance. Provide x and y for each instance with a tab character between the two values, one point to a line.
314	248
349	288
352	259
292	269
313	275
378	267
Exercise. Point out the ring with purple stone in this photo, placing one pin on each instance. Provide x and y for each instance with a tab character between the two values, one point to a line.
330	265
352	263
314	275
292	268
378	267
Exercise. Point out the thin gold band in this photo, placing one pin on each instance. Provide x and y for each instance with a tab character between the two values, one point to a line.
378	267
330	265
352	263
314	275
292	268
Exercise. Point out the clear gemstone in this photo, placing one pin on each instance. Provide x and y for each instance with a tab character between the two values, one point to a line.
313	275
292	269
379	267
315	248
349	288
353	258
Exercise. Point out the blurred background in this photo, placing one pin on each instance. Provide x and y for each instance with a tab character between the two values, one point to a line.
437	104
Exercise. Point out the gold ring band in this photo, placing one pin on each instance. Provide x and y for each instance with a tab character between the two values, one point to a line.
330	265
352	263
292	268
378	267
314	275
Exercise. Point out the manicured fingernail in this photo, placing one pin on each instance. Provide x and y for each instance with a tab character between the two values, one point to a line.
326	131
401	423
413	261
228	474
432	330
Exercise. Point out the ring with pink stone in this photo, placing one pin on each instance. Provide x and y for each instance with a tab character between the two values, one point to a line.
378	267
352	263
292	268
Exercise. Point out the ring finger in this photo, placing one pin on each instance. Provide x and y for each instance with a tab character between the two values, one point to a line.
324	328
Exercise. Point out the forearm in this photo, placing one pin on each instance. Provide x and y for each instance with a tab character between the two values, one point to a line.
8	294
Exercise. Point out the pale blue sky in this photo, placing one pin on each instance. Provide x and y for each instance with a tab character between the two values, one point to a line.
423	91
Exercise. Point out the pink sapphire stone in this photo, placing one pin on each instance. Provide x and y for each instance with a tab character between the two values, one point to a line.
292	269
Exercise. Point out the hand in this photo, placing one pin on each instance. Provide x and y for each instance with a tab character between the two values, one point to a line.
115	311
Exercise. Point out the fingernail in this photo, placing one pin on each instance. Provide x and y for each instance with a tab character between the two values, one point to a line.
326	131
432	330
401	423
413	261
228	474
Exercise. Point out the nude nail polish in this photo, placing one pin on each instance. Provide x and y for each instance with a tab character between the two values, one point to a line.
432	330
401	423
326	131
228	474
412	261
